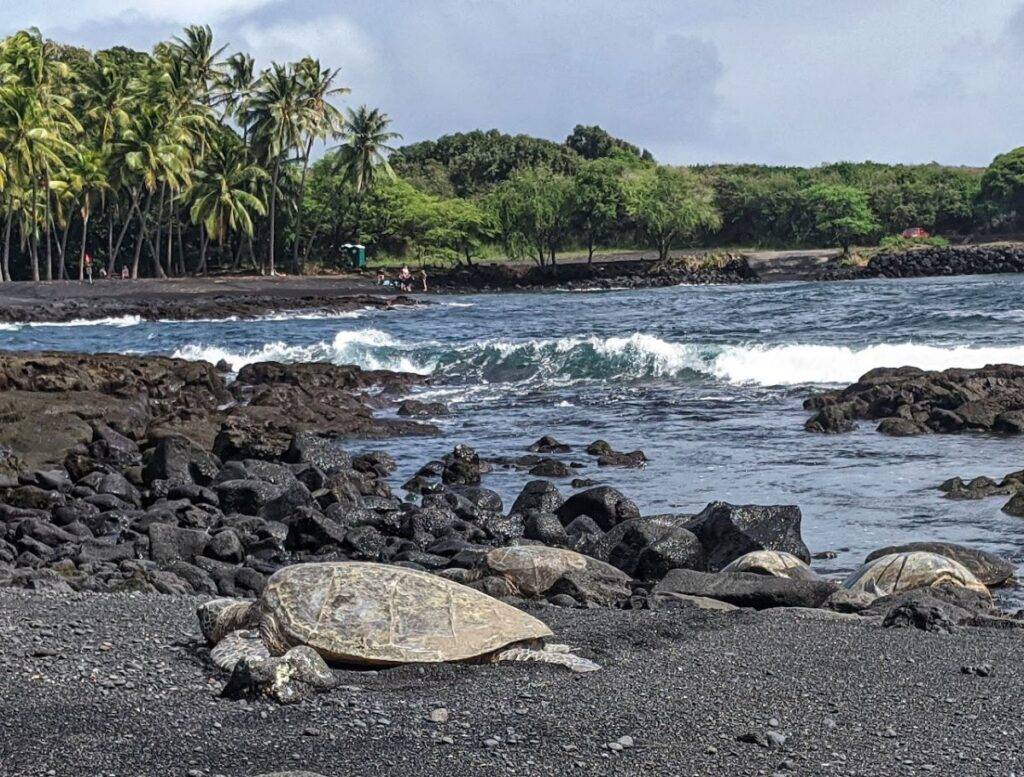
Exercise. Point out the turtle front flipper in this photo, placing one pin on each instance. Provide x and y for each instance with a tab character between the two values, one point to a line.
550	654
237	645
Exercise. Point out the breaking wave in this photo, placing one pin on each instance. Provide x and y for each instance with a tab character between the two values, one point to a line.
609	359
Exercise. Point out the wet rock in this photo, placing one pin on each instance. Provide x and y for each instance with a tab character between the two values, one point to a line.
632	460
551	468
548	444
417	409
909	401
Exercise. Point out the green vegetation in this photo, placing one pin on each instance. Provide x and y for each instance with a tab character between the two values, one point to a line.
187	160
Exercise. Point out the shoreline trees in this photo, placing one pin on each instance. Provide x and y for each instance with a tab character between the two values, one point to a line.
189	159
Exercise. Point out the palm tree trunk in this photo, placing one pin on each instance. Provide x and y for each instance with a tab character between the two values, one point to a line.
81	254
204	242
141	237
273	213
115	248
62	249
5	268
47	220
33	243
155	245
296	268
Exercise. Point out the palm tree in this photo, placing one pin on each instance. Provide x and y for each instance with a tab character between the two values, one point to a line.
223	193
156	153
199	60
86	180
276	114
321	120
365	150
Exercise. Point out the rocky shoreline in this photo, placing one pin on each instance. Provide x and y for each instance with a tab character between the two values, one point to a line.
909	401
131	488
581	276
934	261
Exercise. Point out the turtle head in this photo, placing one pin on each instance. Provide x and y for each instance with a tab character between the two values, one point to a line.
220	617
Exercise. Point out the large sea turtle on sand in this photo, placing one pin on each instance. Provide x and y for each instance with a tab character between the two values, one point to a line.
898	572
774	563
362	614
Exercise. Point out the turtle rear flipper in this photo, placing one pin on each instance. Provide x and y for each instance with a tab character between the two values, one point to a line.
551	654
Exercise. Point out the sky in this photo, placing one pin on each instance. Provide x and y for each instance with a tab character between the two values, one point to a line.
694	81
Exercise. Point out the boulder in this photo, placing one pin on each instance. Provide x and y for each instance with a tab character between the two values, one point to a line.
539	495
177	458
745	589
729	531
605	505
168	544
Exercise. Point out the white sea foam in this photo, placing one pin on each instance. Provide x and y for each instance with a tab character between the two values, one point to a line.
118	321
793	364
9	327
619	358
369	348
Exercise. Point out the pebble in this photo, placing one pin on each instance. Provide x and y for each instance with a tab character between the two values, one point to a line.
439	715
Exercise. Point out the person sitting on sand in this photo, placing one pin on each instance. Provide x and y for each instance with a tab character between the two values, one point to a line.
423	277
124	273
405	279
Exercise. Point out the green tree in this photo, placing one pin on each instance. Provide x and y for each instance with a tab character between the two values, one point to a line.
457	228
597	200
532	211
1002	186
593	142
671	206
840	214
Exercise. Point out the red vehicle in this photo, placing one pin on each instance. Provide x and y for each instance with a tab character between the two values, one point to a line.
914	233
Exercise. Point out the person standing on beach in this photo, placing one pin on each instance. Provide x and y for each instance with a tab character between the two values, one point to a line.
423	277
88	268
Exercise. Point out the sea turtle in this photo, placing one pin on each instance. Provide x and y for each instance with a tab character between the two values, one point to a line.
362	614
898	572
534	570
774	563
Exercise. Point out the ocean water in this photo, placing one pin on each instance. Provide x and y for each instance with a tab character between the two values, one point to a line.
707	380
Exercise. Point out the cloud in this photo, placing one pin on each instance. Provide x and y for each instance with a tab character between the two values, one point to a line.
799	82
336	40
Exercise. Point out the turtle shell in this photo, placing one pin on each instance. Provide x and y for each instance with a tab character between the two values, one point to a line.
374	614
775	563
898	572
533	569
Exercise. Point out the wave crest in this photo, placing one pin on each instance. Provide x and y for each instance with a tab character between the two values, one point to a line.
638	356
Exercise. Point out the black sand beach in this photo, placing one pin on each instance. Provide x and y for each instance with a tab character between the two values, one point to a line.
117	685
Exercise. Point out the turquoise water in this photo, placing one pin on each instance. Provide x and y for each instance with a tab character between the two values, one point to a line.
707	380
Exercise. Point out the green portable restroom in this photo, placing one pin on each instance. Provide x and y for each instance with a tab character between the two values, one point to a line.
356	255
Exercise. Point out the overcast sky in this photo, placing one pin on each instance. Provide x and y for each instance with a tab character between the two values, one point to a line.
781	81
